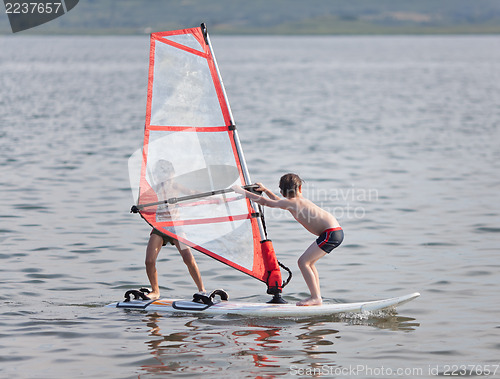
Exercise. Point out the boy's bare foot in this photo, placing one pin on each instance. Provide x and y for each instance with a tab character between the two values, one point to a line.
309	302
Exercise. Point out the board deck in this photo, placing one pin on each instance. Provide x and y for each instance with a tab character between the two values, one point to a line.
262	309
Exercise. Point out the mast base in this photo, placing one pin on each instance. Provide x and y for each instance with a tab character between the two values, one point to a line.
277	299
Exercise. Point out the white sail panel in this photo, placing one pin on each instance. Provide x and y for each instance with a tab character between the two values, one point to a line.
189	152
183	90
231	240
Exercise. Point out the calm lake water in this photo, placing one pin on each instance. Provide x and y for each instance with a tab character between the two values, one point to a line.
398	136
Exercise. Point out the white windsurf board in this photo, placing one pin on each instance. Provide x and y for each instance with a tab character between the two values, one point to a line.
262	309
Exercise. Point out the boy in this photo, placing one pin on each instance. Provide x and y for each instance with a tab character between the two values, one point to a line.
315	219
164	173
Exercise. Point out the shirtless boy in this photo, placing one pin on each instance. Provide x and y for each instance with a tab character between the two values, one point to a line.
315	219
164	172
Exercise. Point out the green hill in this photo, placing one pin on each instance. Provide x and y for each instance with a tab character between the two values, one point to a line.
277	17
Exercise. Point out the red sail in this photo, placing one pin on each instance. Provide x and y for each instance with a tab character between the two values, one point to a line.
192	156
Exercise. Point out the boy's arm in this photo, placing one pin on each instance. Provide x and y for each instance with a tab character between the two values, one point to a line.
269	193
259	199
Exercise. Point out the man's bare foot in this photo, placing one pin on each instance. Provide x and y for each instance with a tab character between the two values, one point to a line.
309	302
153	295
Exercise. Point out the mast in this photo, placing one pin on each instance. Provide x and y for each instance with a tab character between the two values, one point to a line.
243	163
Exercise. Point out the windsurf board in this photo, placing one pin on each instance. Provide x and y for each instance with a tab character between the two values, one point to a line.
262	309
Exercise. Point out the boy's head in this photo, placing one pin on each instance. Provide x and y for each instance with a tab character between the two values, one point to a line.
290	185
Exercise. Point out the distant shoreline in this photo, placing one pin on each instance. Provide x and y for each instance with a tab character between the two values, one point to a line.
214	32
276	17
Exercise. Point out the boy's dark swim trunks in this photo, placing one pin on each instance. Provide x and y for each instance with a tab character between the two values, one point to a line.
330	239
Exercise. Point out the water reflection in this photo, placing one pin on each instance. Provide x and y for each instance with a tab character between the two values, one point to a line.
268	346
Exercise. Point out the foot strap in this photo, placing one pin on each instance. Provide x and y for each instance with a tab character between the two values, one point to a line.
140	294
207	299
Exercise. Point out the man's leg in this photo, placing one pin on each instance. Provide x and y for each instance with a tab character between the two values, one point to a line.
154	246
190	262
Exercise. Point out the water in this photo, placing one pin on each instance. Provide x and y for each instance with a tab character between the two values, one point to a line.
398	136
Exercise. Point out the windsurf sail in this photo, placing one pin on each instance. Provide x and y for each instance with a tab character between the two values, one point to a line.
192	156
